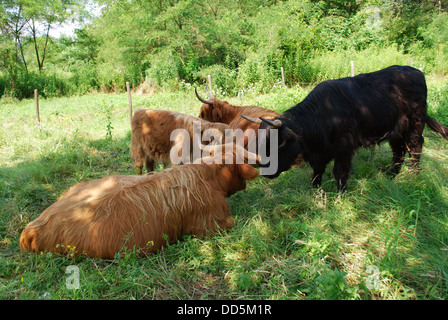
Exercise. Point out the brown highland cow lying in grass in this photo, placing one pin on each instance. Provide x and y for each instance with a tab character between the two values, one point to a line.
100	218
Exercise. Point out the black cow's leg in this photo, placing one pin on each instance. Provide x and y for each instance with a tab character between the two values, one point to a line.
399	151
341	170
319	170
414	143
415	146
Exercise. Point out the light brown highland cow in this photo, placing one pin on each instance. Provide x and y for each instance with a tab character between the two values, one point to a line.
151	135
101	217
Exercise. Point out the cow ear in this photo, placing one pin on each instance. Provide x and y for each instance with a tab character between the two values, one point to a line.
247	172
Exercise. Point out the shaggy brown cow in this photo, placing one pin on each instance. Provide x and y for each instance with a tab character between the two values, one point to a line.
151	133
215	110
101	217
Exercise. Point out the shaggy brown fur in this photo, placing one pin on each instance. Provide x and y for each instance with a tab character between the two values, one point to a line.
215	110
151	130
101	217
222	111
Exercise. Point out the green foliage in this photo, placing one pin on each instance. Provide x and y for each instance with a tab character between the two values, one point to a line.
222	77
107	111
333	286
438	101
246	45
242	45
24	83
163	70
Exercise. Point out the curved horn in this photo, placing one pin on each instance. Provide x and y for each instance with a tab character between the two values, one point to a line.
273	123
209	94
254	120
283	144
203	100
252	156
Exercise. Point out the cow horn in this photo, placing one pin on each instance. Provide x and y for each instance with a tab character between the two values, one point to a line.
254	120
252	156
203	100
274	123
209	94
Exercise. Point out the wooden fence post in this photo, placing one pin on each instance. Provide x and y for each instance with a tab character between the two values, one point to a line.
129	101
210	84
352	63
411	61
36	104
283	77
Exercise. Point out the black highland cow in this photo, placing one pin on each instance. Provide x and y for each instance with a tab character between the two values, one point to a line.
339	116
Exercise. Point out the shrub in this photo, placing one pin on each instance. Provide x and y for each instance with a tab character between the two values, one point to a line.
336	64
22	84
223	79
163	70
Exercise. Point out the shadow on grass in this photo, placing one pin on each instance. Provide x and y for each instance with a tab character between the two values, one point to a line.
28	187
396	224
288	239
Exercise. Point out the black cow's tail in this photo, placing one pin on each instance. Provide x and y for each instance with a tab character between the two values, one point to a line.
437	127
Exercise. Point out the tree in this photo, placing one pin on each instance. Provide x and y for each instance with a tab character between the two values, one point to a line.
32	20
41	16
13	27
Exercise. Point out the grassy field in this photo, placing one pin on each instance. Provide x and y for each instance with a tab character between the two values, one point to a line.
382	239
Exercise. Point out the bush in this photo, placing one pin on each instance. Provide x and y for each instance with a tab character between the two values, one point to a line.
164	69
3	83
336	64
438	101
22	84
223	79
111	77
84	78
259	70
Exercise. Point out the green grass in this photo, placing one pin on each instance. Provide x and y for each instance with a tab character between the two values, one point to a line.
289	241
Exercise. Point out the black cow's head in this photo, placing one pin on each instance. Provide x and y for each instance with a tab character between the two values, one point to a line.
288	145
